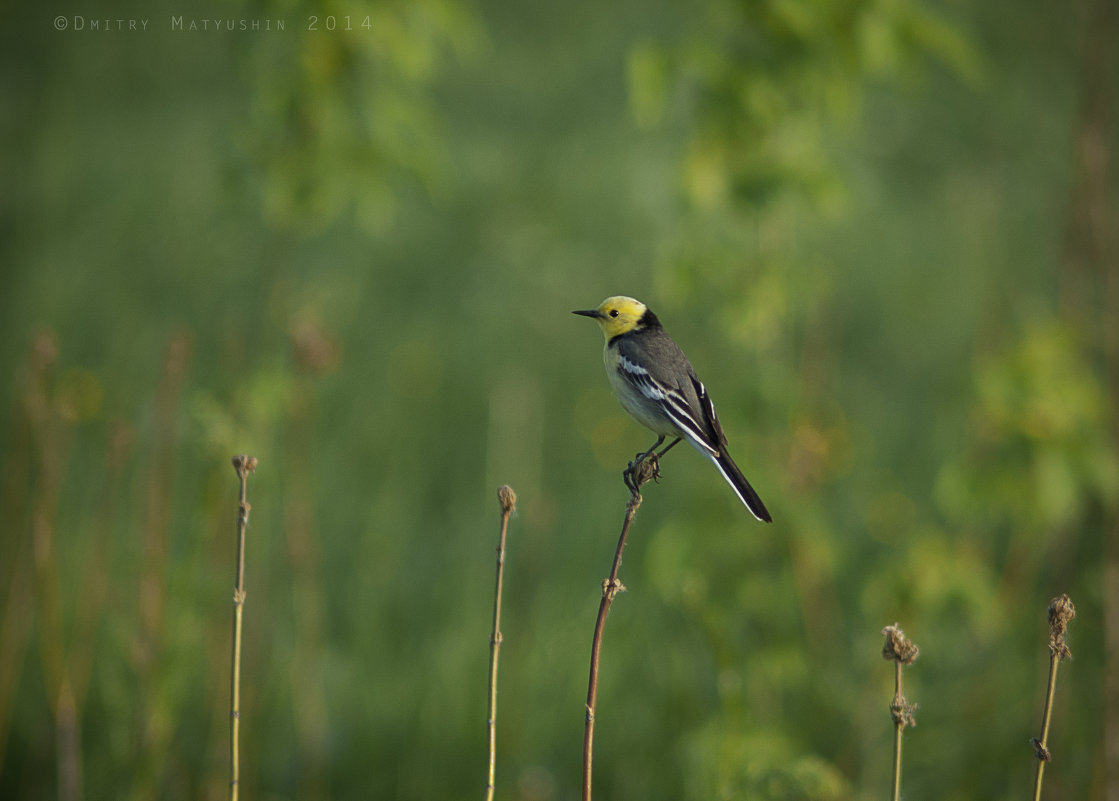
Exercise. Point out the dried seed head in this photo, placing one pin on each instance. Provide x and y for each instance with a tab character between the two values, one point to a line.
244	464
897	648
507	498
1061	611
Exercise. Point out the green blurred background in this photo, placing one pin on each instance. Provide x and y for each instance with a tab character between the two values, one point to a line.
884	231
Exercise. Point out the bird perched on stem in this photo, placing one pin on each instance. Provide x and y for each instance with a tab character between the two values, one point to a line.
655	383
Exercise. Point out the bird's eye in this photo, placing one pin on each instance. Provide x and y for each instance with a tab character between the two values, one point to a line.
613	312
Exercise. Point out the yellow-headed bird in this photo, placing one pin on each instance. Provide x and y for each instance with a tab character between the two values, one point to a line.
655	383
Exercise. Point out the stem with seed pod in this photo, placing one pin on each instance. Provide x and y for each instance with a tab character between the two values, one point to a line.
508	500
637	474
901	652
243	465
1061	611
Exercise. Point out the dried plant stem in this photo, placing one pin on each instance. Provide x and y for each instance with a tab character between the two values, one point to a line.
243	465
1040	743
1061	611
508	500
901	652
898	727
637	474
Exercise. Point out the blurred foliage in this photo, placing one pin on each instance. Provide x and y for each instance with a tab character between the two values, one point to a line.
350	250
763	82
1042	408
341	110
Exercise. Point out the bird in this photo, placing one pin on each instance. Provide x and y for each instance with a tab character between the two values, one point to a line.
656	384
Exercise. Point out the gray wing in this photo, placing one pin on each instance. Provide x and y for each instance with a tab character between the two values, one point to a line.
680	394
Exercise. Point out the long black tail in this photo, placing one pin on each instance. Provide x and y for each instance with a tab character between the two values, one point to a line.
741	486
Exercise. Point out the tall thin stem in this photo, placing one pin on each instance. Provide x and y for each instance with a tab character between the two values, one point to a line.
243	465
1061	611
898	728
508	500
635	476
901	652
1041	744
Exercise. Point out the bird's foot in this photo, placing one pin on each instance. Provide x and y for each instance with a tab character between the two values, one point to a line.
646	467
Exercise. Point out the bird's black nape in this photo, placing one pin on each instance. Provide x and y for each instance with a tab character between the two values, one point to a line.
649	320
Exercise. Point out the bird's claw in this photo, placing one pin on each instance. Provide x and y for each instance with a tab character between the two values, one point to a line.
646	467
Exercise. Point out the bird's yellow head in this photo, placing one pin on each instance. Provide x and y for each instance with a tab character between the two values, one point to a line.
620	315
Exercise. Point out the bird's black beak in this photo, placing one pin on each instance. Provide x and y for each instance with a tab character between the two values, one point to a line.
589	313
